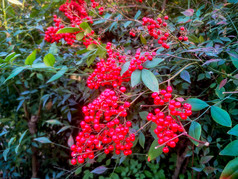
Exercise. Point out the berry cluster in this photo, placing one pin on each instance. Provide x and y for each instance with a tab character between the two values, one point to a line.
157	29
104	128
137	62
168	125
108	71
51	36
182	36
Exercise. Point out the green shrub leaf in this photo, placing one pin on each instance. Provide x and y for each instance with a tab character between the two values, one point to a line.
43	140
135	77
31	58
150	80
234	131
153	63
230	149
231	170
185	76
197	104
125	67
49	60
220	116
195	131
60	73
154	153
68	30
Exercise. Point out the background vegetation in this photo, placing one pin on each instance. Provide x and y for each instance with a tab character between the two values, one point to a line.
40	106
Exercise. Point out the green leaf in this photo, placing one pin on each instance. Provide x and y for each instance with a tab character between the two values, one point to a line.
59	74
5	152
68	30
11	140
31	58
80	36
43	140
54	122
206	159
234	131
70	141
127	23
231	170
84	25
185	76
99	170
137	14
221	116
78	171
53	49
17	147
49	60
91	47
142	140
197	104
234	61
154	153
11	55
143	40
143	115
125	67
231	149
153	63
195	131
15	72
135	77
22	136
63	129
150	80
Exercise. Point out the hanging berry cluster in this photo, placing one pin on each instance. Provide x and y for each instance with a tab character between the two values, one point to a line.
104	128
168	125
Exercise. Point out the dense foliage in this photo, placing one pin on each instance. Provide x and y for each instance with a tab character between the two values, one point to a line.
118	89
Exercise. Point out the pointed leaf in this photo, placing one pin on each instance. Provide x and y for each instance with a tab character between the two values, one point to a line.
188	12
197	104
5	152
153	63
70	141
143	115
231	170
195	131
150	80
142	140
43	140
154	153
15	72
59	74
125	67
54	122
143	40
68	30
99	170
15	2
230	149
22	136
234	131
49	60
220	116
234	61
185	76
135	77
80	36
31	58
137	14
63	129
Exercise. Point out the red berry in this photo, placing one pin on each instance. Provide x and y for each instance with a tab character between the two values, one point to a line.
165	149
73	161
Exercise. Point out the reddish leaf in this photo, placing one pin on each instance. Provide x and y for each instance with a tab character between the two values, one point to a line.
188	12
223	83
70	141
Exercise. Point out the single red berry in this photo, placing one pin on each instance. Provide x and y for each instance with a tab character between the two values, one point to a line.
73	161
165	149
166	17
182	28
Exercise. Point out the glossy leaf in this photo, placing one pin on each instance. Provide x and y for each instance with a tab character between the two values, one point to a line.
137	14
153	63
220	116
54	122
154	153
31	58
185	76
150	80
22	136
234	61
230	149
125	67
15	72
231	170
234	131
49	60
143	40
80	36
195	131
16	2
197	104
143	115
142	140
43	140
188	12
59	74
99	170
70	141
5	152
68	30
63	129
135	78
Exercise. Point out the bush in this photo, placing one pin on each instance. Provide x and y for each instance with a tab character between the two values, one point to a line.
130	89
